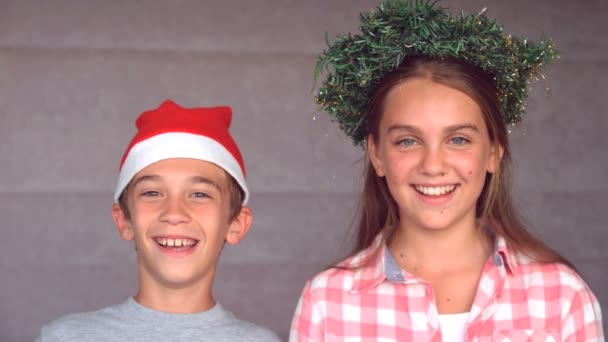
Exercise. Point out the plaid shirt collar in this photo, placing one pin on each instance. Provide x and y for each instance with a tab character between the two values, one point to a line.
375	264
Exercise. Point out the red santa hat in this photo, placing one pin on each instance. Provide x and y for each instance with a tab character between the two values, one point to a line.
171	131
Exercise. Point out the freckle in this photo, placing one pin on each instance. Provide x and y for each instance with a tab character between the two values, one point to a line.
448	299
470	172
401	255
441	212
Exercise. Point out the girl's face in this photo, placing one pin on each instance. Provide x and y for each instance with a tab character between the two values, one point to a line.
434	150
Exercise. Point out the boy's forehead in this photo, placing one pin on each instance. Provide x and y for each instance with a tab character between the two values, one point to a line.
193	169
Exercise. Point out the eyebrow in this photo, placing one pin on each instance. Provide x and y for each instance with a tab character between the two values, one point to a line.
448	129
466	126
205	180
194	180
144	179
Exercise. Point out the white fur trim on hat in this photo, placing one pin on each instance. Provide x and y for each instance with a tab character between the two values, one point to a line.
178	145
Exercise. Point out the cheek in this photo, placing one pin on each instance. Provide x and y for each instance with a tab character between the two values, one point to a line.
144	211
212	220
399	163
475	168
396	170
399	176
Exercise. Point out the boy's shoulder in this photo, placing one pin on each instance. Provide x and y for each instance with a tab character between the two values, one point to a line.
73	327
235	329
132	322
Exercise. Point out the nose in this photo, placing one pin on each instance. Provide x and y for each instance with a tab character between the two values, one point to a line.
174	210
433	162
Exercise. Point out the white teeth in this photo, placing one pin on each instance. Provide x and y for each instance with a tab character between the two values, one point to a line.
435	191
175	242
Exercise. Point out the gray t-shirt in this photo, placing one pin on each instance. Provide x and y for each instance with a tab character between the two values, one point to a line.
133	322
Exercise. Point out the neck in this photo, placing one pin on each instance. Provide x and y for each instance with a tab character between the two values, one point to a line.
192	298
440	250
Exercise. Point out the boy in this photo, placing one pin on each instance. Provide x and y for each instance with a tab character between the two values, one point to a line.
180	196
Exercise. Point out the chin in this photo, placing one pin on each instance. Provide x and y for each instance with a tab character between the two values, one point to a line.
180	282
176	278
435	227
434	223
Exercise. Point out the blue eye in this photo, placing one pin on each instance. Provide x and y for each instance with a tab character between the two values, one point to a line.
459	140
406	142
200	195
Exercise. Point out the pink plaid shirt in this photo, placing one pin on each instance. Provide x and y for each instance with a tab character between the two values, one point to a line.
517	300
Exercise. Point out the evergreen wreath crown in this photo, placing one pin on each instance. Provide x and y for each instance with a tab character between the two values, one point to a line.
355	64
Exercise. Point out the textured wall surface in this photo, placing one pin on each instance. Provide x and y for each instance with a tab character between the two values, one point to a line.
75	74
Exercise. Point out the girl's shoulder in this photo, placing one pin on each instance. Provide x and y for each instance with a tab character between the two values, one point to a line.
534	273
333	277
560	284
526	271
351	273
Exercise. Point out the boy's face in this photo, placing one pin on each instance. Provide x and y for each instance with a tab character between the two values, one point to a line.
179	219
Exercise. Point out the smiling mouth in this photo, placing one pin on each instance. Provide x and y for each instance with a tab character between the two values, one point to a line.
176	243
435	190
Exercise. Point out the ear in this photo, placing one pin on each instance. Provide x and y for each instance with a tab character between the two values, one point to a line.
374	156
239	226
496	152
123	225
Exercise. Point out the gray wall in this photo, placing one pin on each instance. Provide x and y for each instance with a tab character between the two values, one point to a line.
74	75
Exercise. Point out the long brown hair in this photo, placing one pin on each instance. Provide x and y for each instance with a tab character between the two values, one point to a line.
378	211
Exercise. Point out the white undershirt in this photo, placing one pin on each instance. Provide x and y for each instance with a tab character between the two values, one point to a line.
453	326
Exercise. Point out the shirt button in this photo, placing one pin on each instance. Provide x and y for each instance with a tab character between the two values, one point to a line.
433	317
488	312
497	260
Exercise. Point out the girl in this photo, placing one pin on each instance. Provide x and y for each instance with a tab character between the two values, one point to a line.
441	254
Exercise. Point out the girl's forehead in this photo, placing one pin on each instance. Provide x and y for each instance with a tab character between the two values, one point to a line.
424	102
